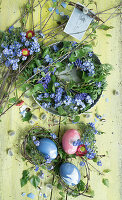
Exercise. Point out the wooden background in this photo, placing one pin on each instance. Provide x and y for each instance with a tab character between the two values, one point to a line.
108	49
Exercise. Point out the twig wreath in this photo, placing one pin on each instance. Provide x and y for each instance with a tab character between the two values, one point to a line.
44	150
72	85
23	53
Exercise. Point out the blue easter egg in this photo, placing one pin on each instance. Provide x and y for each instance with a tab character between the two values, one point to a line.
70	174
48	148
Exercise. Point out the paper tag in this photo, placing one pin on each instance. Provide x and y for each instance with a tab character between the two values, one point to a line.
77	24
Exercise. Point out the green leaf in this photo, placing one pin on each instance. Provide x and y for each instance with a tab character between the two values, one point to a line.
62	194
106	170
27	117
43	74
31	65
53	88
87	48
35	180
38	87
71	66
94	96
91	192
1	109
105	181
54	4
25	173
59	186
73	57
105	27
94	25
43	167
24	87
79	53
61	111
62	198
13	100
95	159
25	178
59	64
81	185
23	181
85	77
23	20
46	51
53	78
108	35
84	51
23	159
38	62
28	5
77	118
60	153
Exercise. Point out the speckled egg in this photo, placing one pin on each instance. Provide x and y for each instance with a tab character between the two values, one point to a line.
67	141
70	174
48	147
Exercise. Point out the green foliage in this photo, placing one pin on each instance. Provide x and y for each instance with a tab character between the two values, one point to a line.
8	38
82	52
38	63
105	27
45	52
108	35
95	159
73	57
23	182
25	178
27	117
61	111
59	64
62	194
90	192
76	119
23	21
28	7
35	180
53	78
106	170
62	154
38	88
86	84
13	100
105	182
59	186
81	186
106	68
1	109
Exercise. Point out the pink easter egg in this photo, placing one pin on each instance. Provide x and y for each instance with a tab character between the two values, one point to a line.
67	141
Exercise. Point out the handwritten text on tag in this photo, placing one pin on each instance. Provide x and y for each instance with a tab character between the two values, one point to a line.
77	24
